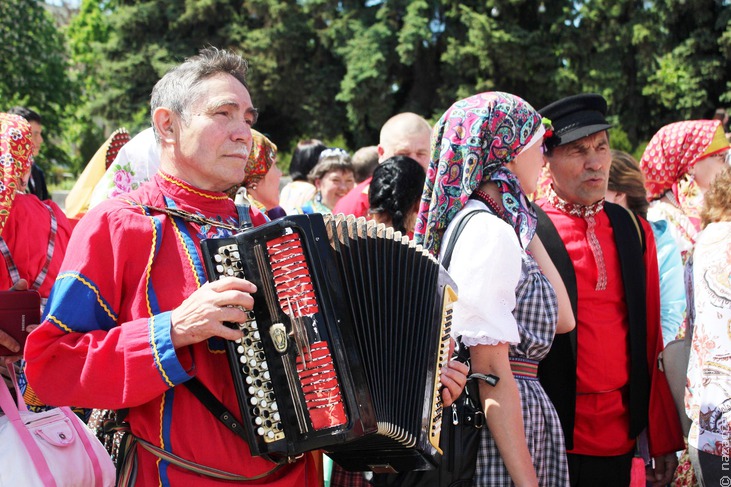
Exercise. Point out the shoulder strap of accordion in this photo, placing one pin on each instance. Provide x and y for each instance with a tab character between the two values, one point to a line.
215	406
455	235
244	217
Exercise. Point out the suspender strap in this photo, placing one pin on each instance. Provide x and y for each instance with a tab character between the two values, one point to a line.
10	263
12	269
49	251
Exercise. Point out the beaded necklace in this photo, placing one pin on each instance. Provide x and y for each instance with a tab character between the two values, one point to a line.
490	202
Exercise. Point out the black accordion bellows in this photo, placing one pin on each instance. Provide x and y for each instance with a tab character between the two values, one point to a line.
342	352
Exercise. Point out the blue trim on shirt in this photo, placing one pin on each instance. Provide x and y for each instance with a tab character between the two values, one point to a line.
163	351
69	304
189	243
167	420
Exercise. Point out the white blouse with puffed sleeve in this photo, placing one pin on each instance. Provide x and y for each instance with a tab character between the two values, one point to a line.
486	265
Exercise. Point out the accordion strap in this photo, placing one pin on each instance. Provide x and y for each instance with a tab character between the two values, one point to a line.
241	209
198	468
128	469
215	406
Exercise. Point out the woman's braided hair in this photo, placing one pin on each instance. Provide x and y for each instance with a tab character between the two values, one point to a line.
396	187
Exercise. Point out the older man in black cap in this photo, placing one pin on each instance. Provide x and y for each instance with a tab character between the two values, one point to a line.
603	377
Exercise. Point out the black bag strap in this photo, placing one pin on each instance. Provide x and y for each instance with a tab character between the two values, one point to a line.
447	259
463	353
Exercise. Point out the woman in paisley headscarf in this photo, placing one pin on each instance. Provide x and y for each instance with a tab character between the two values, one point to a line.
679	165
486	156
261	184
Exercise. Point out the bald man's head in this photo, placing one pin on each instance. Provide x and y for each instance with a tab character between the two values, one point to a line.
405	134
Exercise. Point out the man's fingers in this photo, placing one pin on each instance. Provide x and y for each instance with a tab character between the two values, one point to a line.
232	314
20	285
232	283
229	333
234	298
9	342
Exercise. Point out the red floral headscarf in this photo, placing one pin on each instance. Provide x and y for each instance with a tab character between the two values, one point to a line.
261	158
673	150
16	157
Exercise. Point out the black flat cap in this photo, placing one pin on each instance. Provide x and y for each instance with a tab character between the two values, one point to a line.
575	117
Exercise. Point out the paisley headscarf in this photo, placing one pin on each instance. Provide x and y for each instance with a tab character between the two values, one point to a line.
262	156
471	144
667	160
16	158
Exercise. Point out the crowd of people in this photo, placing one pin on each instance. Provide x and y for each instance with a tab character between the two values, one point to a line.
575	266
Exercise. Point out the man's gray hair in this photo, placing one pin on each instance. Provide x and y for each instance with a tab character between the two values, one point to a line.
181	86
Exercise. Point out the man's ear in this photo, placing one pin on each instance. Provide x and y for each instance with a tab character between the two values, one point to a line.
164	121
380	153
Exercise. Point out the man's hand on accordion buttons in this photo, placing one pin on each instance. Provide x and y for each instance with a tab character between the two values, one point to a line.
203	314
453	378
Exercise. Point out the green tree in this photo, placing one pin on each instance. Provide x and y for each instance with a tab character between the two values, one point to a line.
87	32
340	68
34	64
689	75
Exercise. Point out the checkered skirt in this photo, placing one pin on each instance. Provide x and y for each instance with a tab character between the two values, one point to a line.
536	313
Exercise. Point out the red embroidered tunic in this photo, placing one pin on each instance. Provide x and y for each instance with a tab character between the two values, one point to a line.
105	340
603	361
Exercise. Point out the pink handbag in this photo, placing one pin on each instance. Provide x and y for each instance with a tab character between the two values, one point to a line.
51	448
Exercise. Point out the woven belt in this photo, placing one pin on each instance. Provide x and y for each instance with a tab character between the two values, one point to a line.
524	368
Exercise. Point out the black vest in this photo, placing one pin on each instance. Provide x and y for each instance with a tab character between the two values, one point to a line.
557	371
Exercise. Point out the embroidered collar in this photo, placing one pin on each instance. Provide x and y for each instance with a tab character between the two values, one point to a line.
183	186
587	213
573	209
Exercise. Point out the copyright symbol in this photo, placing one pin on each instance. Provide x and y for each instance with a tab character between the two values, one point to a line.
725	481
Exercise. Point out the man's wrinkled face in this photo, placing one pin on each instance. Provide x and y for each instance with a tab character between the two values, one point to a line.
213	140
580	169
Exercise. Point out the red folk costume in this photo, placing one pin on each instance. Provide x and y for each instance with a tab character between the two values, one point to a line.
33	234
603	421
108	324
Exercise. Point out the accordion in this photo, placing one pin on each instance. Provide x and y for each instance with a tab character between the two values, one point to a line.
344	345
